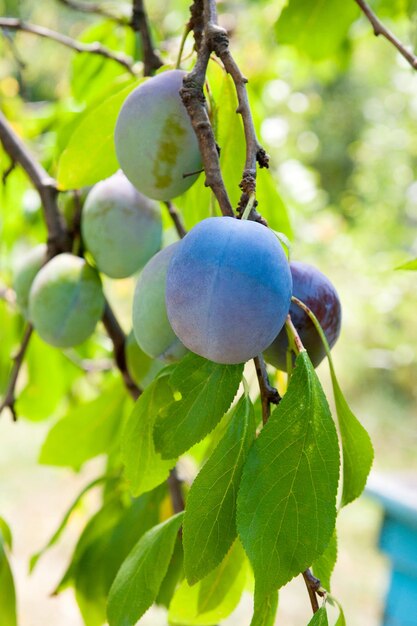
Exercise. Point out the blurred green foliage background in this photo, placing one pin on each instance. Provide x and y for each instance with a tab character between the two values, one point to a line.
337	112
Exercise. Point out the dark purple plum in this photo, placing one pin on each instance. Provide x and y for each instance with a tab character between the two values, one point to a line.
228	289
317	292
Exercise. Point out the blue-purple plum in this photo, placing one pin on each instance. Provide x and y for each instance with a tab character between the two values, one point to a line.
121	227
66	301
26	269
228	289
152	329
155	142
318	293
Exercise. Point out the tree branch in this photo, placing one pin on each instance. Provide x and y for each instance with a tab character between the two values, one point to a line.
140	24
193	98
116	334
313	588
269	394
11	23
176	218
10	397
58	239
380	29
219	44
97	9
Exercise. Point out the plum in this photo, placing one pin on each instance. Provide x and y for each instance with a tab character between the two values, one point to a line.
121	227
26	269
155	143
152	329
317	292
228	289
66	301
141	367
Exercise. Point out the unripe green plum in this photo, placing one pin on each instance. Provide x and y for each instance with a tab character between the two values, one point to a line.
141	367
66	301
121	227
155	142
152	329
70	203
316	291
26	269
228	289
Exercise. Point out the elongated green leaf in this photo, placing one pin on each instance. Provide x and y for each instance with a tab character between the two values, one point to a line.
358	453
265	609
7	590
138	581
88	430
174	574
5	533
35	557
202	393
317	28
144	467
287	499
90	154
410	265
271	204
323	566
92	74
210	514
213	598
319	618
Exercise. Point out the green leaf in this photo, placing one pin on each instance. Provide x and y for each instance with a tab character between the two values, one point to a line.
265	609
91	73
174	574
50	376
88	430
319	618
5	533
104	544
230	137
138	581
144	467
202	392
214	597
90	154
35	557
210	514
410	265
323	566
287	499
7	590
358	453
271	204
318	28
357	447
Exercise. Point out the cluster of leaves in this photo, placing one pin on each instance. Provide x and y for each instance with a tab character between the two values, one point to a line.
269	500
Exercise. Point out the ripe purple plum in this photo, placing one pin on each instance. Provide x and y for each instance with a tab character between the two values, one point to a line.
318	293
228	289
66	301
121	227
155	142
152	329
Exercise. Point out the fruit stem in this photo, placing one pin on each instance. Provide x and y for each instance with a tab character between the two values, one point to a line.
249	206
319	329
